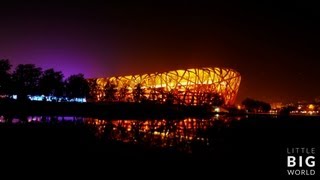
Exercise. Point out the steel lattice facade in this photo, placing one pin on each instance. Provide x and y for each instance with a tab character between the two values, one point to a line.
188	86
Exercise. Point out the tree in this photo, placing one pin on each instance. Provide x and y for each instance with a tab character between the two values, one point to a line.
51	83
215	99
286	110
110	91
26	80
170	98
123	92
249	104
5	77
77	86
256	106
153	94
160	95
138	93
264	107
95	91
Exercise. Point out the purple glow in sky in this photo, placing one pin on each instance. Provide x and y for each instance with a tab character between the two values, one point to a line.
59	45
261	40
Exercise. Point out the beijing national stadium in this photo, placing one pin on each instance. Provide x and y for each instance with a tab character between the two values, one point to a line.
189	86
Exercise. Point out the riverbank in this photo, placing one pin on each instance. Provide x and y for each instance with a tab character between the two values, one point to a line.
120	110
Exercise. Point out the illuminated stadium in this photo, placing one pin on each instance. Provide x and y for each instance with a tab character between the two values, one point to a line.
190	86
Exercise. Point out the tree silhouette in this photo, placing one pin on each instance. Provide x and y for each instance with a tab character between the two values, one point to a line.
170	97
153	94
77	86
95	91
51	83
5	77
26	80
253	105
110	91
123	92
161	95
138	93
286	110
216	99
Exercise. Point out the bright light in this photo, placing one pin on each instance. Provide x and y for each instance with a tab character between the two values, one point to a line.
189	82
311	106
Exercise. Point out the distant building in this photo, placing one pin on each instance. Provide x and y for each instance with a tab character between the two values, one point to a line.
304	107
277	105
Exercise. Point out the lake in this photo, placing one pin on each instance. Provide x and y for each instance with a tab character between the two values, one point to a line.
255	143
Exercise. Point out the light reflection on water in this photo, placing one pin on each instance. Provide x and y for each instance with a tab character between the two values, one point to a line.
181	135
40	119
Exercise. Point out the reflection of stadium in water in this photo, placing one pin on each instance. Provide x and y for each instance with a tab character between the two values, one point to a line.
180	134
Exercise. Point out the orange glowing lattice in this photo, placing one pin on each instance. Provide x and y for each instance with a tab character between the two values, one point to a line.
188	86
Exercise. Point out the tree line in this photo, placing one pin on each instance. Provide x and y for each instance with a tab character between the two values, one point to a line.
28	79
111	93
255	106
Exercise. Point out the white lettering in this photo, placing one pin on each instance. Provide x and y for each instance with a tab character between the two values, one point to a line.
290	172
301	172
291	161
300	161
311	163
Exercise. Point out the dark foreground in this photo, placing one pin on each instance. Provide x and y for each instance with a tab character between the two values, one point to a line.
113	110
253	146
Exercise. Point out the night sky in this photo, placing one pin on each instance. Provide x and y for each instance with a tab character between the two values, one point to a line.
274	46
